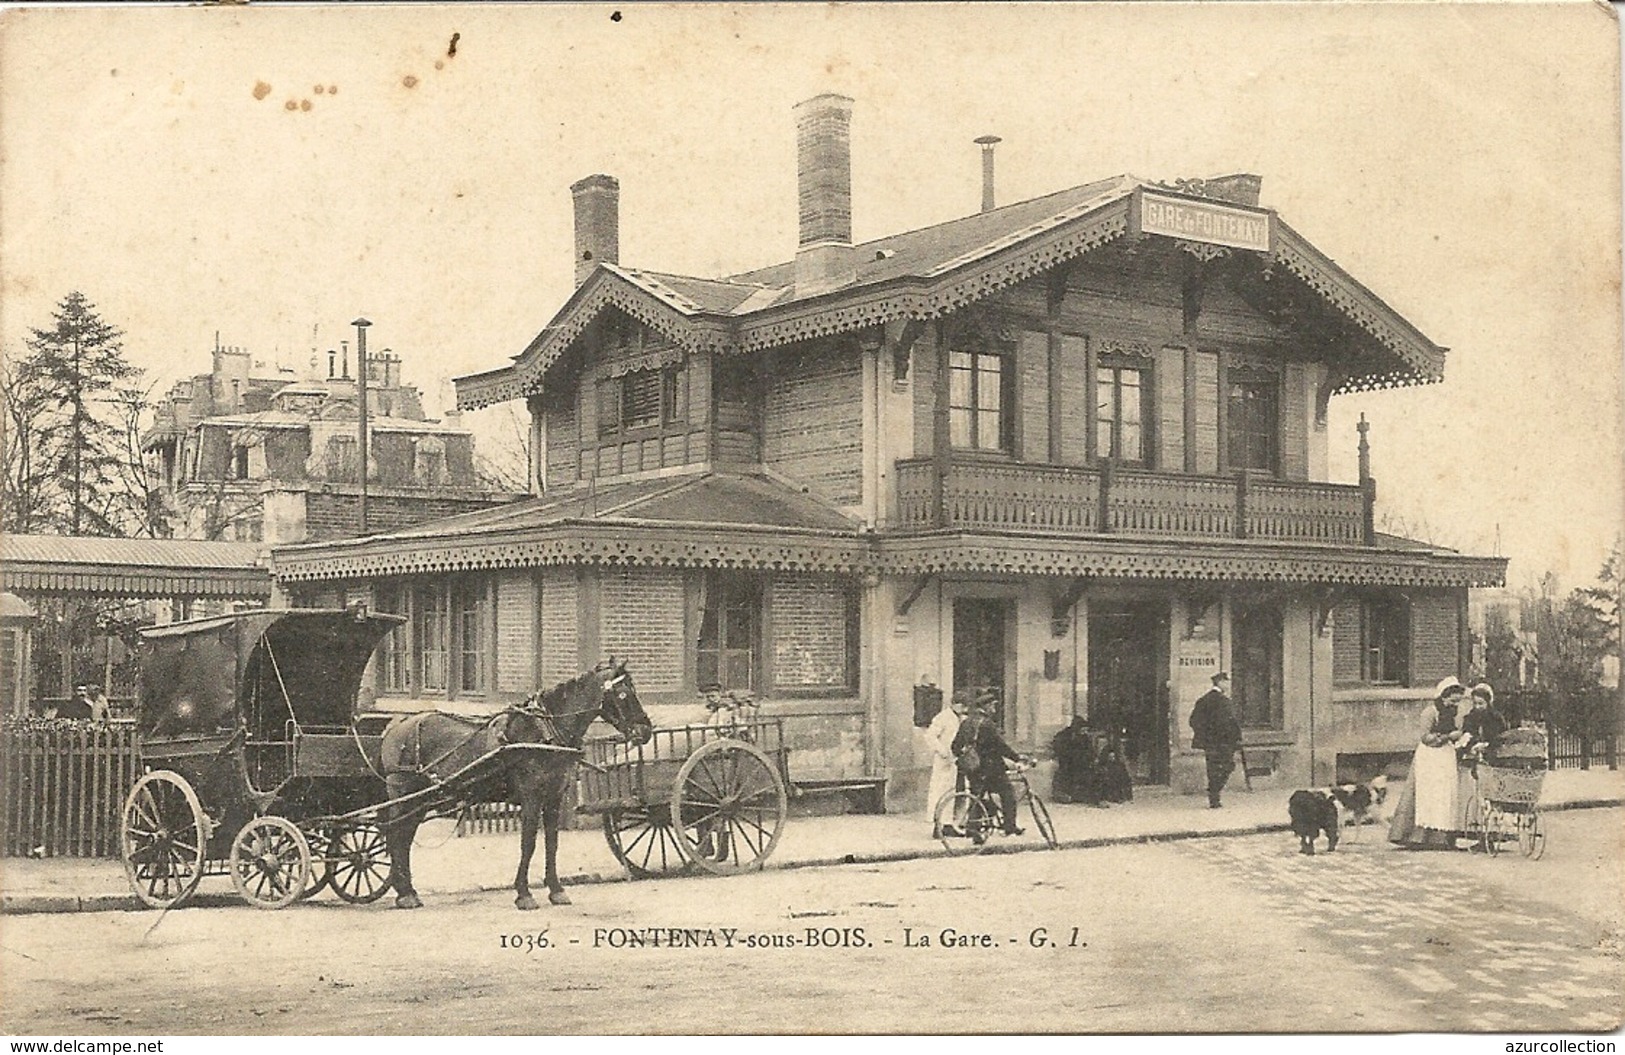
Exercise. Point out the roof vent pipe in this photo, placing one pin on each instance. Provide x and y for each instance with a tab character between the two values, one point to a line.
987	144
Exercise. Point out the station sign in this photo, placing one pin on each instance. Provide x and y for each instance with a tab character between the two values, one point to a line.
1200	220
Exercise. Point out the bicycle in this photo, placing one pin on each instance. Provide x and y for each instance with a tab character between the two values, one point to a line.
965	821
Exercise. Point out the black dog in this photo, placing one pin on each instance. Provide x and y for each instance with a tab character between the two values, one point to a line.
1313	812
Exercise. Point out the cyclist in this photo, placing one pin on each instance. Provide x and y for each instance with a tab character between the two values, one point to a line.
981	752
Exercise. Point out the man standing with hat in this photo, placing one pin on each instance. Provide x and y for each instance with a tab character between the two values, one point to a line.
1218	733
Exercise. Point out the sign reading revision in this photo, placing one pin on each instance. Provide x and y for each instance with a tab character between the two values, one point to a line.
1204	221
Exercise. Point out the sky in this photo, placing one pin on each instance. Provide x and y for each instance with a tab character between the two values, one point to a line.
268	175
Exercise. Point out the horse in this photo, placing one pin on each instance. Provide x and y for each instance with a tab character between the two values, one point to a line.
422	750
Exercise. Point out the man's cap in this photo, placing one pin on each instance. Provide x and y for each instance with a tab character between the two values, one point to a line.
987	696
711	686
1220	676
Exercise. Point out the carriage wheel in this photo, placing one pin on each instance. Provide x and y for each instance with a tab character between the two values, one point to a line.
1531	836
970	832
164	838
728	807
642	839
270	862
1046	827
359	868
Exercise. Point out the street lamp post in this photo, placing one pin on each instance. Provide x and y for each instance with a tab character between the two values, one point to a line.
361	325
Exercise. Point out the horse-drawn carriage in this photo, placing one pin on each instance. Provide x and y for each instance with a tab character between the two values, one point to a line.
248	725
262	770
711	796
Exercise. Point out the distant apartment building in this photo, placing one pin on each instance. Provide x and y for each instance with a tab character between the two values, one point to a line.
252	453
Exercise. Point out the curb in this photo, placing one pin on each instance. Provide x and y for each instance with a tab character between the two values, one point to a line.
29	904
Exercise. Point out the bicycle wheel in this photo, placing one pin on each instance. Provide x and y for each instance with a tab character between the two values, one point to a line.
1531	836
1046	827
963	823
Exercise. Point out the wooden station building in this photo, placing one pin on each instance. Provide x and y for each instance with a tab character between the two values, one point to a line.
1073	449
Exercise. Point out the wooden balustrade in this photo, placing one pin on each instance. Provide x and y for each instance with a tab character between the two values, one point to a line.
1064	499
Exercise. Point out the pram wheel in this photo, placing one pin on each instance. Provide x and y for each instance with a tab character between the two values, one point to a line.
1531	836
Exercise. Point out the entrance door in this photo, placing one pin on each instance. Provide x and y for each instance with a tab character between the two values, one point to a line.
1128	646
1256	656
980	626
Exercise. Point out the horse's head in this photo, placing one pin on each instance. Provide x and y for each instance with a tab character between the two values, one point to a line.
620	705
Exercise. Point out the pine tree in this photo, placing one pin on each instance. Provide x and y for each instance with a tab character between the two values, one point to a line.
79	363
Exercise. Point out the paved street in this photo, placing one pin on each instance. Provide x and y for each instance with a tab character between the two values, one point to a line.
1471	943
1235	934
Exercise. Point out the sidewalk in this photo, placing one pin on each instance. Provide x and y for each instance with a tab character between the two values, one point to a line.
445	865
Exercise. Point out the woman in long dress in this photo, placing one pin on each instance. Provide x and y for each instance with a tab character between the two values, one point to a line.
1431	808
944	774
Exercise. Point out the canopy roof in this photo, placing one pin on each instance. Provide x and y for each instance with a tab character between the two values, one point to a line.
256	671
935	270
129	567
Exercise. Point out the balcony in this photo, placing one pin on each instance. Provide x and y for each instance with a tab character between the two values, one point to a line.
980	495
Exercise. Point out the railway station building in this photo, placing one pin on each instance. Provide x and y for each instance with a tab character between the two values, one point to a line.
1072	449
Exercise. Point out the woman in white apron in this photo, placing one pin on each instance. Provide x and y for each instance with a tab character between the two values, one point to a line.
1431	807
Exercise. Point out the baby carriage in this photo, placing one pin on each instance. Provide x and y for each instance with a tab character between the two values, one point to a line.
1508	792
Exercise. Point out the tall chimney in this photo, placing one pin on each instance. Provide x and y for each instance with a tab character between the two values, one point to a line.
598	223
987	143
824	193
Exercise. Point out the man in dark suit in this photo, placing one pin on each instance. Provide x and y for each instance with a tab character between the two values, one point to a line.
978	731
1218	733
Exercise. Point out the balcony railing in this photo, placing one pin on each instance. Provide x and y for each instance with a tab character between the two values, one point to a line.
1060	499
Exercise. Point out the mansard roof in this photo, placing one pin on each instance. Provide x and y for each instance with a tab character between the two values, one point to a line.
933	271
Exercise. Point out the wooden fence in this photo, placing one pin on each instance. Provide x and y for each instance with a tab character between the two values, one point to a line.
62	787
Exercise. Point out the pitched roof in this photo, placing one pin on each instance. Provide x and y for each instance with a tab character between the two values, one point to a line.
732	519
926	273
700	498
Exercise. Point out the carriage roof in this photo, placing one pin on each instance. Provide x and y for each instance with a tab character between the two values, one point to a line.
255	670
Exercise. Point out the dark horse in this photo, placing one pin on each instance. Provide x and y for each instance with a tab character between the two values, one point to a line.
421	751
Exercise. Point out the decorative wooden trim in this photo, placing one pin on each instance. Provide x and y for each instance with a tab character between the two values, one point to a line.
580	542
946	289
1423	361
953	553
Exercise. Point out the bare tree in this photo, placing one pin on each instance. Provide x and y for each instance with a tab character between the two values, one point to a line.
29	499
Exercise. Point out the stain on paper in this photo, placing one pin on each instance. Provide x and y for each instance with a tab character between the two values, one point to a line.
261	89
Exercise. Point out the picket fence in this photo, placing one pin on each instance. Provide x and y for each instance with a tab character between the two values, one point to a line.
62	787
63	784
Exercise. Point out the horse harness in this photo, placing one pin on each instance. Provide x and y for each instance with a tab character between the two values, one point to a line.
533	708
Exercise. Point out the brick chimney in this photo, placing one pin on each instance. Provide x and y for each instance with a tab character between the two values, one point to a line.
824	194
598	223
1241	188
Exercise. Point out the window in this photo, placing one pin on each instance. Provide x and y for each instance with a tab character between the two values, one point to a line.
468	606
392	653
639	400
341	458
1253	423
1120	413
1384	640
239	462
979	416
445	646
431	625
730	627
